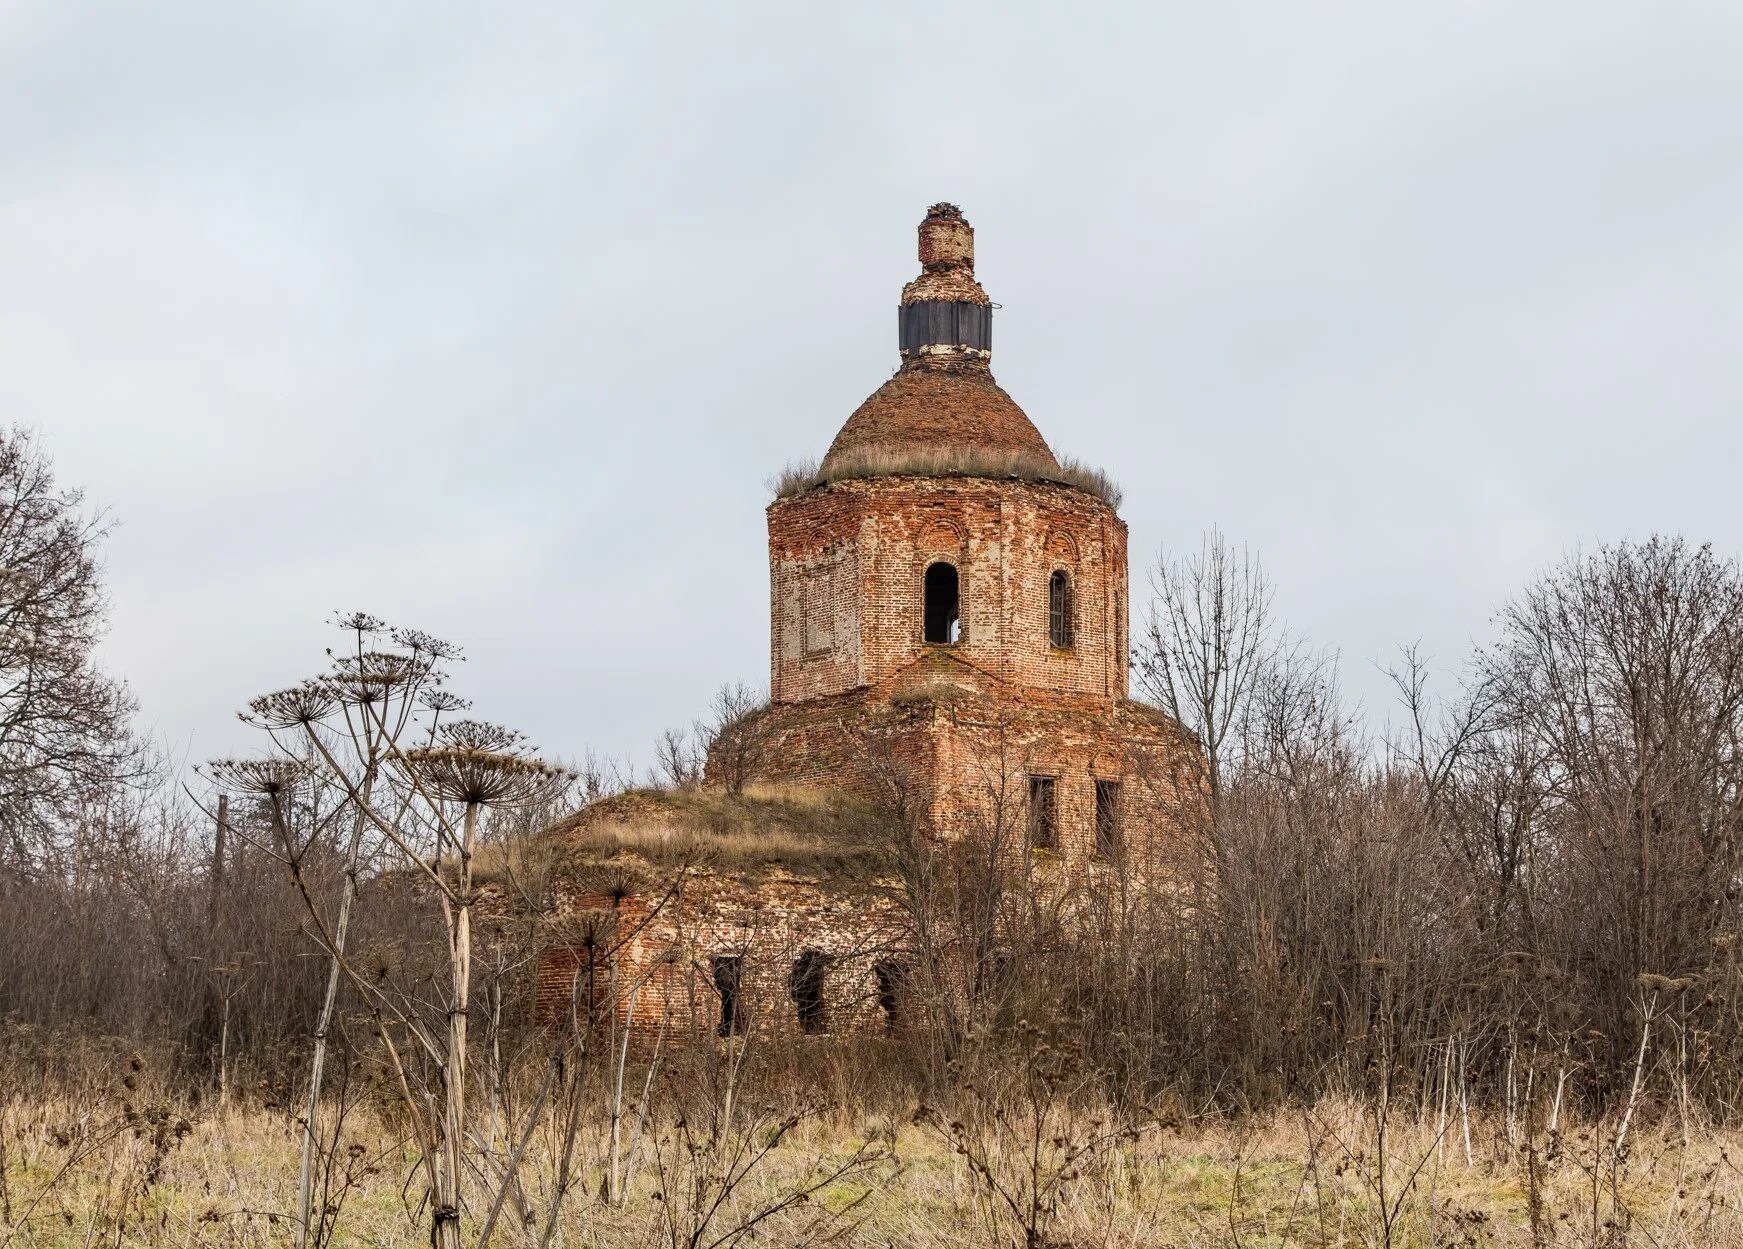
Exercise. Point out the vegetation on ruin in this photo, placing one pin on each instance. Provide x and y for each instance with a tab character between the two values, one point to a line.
805	475
812	832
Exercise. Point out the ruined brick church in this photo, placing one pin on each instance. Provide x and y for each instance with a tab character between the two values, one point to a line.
949	635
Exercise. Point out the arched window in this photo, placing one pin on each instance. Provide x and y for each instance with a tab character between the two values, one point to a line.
943	609
1059	608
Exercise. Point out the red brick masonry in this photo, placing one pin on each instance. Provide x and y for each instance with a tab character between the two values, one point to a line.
862	704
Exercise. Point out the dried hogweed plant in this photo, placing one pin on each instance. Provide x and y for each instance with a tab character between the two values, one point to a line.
413	784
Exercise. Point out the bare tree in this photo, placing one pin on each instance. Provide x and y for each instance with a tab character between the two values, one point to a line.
64	735
1620	679
679	758
1206	644
735	735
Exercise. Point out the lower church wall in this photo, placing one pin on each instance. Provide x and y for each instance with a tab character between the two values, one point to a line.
808	957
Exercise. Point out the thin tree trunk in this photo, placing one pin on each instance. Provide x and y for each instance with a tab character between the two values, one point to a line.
323	1024
446	1230
1511	1088
214	895
1445	1083
615	1139
220	853
1465	1104
642	1111
224	1059
1639	1076
1682	1076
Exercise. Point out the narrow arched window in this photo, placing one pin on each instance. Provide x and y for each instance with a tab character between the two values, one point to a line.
1059	608
943	606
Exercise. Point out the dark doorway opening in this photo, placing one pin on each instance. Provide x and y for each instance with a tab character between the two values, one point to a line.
892	992
806	986
729	984
943	612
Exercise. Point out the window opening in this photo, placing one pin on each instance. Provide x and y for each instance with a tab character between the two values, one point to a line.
806	986
892	992
1043	813
588	973
994	975
943	608
1059	609
1107	819
729	984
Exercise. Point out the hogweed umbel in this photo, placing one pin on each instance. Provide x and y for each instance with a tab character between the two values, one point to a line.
270	778
476	763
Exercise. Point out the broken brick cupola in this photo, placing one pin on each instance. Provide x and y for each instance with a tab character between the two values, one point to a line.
941	529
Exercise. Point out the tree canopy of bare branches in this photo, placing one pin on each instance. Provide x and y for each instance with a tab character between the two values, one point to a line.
1206	645
64	724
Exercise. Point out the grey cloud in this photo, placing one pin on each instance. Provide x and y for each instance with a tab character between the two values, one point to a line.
494	319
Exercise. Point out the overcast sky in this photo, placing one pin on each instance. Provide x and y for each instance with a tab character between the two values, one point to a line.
494	319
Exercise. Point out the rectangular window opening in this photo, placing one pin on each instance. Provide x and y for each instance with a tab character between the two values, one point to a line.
1107	819
729	984
1043	813
806	986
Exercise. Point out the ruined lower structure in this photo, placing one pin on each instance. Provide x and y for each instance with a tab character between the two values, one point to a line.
949	642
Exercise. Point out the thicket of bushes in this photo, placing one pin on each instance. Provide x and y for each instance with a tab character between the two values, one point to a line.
1508	886
1518	895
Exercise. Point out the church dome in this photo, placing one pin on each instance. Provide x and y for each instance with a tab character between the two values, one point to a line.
932	413
942	411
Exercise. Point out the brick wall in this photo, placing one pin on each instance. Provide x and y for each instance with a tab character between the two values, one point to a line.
847	564
964	753
769	920
985	754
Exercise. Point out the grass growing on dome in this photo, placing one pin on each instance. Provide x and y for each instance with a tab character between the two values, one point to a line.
799	829
803	475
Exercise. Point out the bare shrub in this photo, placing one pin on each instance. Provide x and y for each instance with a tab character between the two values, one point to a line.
737	739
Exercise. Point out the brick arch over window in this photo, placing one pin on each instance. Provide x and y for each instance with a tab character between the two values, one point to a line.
944	537
1109	763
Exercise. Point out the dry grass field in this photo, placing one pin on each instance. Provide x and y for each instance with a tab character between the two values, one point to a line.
121	1168
1471	975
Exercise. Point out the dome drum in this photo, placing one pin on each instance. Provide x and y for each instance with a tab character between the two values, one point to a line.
948	323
